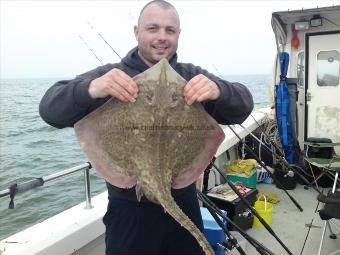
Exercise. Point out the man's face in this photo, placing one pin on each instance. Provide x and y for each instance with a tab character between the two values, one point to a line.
157	34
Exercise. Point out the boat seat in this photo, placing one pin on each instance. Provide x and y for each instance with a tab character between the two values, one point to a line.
318	152
331	209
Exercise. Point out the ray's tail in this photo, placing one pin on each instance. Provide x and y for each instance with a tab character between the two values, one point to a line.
173	209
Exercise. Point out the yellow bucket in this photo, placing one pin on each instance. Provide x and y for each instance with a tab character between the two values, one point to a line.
265	210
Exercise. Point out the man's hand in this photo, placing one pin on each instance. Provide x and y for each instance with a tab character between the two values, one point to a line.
114	83
199	89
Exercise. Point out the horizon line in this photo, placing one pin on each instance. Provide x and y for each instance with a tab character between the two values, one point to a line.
70	78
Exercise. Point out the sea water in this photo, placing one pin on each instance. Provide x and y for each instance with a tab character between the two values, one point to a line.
30	148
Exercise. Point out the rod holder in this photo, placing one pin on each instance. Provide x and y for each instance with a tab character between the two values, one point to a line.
87	188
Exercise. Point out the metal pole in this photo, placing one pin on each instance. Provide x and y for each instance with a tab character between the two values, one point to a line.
22	187
63	173
87	188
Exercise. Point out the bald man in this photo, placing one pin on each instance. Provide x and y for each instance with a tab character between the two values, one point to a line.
134	227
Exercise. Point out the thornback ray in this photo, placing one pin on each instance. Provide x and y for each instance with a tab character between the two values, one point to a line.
156	143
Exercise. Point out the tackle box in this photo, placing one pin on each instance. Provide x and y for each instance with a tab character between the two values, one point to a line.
236	209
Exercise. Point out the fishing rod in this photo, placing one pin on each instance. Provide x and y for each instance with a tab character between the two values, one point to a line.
232	242
232	186
266	168
218	72
282	159
213	209
90	49
100	35
278	157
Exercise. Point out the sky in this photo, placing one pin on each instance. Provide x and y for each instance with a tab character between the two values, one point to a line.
41	39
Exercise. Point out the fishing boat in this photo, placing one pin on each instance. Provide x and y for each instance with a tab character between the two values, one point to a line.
305	106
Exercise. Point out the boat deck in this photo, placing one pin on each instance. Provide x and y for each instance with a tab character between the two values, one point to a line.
290	225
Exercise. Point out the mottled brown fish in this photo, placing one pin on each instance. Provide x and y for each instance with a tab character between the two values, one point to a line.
156	143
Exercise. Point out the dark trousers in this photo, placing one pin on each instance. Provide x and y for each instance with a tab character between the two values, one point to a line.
143	228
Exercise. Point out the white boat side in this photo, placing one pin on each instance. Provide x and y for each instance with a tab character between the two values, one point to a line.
75	228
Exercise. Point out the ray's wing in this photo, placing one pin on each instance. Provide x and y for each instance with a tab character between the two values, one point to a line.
99	136
194	145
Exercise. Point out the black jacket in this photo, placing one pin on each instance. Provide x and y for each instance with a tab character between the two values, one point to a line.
68	101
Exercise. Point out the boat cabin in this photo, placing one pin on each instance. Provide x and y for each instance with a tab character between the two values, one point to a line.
311	38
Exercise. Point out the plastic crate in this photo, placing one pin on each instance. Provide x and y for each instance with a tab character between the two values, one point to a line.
212	231
250	181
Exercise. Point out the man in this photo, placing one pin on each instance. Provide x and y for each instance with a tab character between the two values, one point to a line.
134	227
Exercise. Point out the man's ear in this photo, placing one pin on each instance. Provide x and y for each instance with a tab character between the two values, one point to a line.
135	30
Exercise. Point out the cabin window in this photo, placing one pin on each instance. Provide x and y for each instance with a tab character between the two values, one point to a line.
301	69
328	68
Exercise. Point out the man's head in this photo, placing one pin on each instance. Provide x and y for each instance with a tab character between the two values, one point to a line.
157	31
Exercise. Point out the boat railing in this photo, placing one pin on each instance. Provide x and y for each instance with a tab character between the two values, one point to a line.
18	188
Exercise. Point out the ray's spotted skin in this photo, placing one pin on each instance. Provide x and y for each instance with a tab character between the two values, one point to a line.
156	143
